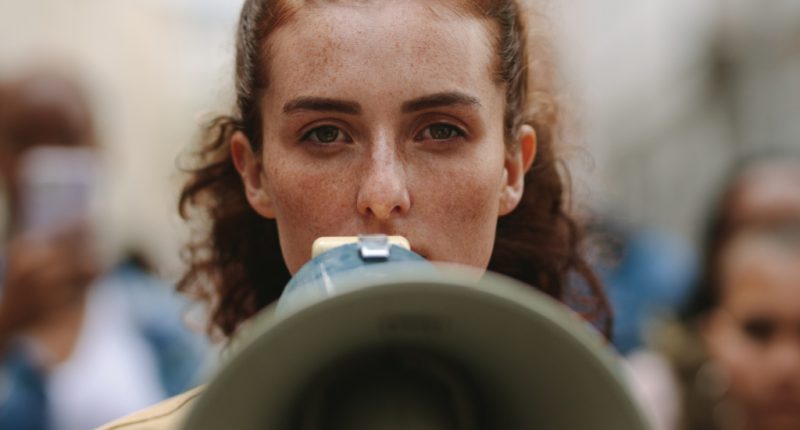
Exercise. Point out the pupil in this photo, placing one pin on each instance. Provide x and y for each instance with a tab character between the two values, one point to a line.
327	134
440	132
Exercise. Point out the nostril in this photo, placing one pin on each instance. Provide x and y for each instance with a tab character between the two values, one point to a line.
383	193
383	211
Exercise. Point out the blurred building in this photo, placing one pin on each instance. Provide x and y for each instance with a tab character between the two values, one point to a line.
669	92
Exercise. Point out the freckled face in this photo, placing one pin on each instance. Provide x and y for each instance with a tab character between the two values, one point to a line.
384	118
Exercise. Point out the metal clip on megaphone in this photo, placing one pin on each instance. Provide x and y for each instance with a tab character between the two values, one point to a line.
369	335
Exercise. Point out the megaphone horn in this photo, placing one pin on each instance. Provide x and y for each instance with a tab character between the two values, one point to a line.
392	341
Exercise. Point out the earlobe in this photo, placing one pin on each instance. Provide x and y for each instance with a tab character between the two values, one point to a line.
250	168
517	163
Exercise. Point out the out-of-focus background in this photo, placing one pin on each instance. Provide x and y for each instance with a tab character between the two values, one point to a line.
153	70
665	96
670	93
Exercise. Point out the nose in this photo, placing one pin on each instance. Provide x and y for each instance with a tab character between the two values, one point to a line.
383	192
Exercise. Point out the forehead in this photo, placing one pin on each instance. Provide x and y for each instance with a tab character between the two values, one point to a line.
759	274
772	189
396	46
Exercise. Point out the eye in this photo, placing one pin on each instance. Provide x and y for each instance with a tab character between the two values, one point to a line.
760	330
325	135
440	132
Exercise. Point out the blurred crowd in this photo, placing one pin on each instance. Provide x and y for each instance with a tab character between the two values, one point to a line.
702	267
690	113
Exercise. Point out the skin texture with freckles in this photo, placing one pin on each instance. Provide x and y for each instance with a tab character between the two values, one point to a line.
437	174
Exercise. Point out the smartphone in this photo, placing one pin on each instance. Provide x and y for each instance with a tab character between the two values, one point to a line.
57	186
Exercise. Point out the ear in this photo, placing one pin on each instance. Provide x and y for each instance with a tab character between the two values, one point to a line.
517	163
251	170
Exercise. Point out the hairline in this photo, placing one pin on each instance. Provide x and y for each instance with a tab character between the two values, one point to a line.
458	8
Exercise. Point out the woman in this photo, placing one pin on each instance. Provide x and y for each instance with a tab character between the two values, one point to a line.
749	306
432	120
737	360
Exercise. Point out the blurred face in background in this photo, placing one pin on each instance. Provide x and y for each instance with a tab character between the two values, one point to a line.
39	111
385	117
754	334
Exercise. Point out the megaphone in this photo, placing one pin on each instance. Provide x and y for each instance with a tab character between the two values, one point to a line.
371	336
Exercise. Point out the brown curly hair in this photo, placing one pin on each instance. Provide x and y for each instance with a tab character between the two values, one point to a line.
237	265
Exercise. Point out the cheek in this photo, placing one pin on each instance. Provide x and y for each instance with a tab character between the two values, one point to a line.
454	202
464	198
309	202
741	359
458	203
309	194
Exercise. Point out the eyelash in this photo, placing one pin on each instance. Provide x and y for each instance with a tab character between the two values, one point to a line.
312	135
454	132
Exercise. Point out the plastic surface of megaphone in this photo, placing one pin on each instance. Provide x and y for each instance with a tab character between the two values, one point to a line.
409	345
355	257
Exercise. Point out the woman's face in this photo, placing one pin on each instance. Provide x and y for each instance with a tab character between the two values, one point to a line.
384	117
755	332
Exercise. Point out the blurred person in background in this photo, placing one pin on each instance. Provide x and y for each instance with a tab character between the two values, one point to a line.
79	344
735	363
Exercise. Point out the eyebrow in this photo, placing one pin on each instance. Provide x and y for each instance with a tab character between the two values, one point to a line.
322	105
439	100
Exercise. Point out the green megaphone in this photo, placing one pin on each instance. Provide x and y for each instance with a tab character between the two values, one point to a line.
371	336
